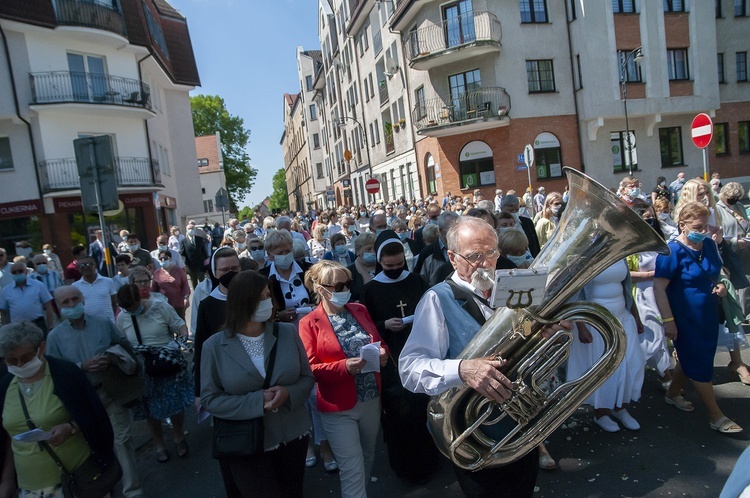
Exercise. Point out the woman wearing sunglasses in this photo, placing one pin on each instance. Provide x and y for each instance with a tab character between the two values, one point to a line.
348	398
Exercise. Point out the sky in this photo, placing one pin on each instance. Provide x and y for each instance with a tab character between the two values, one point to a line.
246	54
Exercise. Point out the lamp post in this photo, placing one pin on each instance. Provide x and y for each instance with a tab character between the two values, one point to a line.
342	121
637	56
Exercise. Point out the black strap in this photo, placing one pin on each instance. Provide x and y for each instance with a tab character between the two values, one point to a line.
43	444
137	330
272	357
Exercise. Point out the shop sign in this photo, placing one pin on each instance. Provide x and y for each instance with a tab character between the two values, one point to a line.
21	209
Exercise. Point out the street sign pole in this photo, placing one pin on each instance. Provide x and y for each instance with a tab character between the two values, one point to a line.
100	210
705	165
701	132
528	159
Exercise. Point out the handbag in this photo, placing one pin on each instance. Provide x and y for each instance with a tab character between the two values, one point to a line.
90	480
160	361
242	438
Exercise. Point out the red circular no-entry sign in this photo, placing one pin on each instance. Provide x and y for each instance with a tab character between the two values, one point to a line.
372	186
702	130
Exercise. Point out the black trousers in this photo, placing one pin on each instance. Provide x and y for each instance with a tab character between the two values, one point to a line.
516	480
279	473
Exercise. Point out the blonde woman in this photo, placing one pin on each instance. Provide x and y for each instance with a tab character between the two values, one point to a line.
319	244
549	217
697	190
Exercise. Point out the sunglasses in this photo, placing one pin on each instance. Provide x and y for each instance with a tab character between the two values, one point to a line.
85	265
338	287
256	248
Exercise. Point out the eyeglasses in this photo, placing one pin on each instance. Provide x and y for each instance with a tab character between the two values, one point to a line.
231	268
475	258
256	248
22	359
85	265
338	286
164	259
142	282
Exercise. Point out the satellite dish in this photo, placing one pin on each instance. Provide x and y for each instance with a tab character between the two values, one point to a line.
391	66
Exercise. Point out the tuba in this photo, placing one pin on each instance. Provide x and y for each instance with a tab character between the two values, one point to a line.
596	230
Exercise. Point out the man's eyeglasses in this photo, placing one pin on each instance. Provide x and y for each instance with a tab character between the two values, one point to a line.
256	248
338	286
85	265
475	258
231	268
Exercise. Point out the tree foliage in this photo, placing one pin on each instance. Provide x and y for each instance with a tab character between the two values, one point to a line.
246	213
280	195
209	116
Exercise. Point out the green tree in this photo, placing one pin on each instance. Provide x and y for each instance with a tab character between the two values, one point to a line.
246	212
280	196
209	116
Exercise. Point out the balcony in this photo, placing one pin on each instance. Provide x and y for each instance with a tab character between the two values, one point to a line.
90	14
65	87
452	40
383	91
390	146
479	109
62	174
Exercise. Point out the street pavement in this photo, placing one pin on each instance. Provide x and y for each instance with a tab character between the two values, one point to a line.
674	454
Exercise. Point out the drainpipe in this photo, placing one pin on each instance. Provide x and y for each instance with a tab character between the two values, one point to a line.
145	121
18	114
573	70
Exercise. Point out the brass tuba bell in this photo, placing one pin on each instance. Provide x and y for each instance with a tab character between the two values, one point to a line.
596	230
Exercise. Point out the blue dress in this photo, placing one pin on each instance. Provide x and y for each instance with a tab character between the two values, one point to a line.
694	307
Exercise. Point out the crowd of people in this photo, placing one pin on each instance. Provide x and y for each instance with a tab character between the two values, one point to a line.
326	326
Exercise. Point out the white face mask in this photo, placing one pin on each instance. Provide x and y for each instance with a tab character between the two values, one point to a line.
30	369
263	312
283	261
339	299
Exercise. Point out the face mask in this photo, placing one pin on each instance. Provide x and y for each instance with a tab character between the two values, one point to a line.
48	251
284	261
166	264
682	180
226	279
325	220
30	369
555	210
732	201
412	209
460	212
73	313
363	213
341	250
134	247
664	216
634	192
368	257
162	248
263	312
432	222
325	234
19	279
705	201
663	184
517	260
652	222
242	246
515	216
136	312
258	254
394	274
191	232
41	269
403	235
177	233
695	236
350	229
339	299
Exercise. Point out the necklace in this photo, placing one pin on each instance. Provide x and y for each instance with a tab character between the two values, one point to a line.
31	388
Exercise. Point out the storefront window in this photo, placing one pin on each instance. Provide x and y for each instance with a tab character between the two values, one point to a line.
17	229
548	156
476	165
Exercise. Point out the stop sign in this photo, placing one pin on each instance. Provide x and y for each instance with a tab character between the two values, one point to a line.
702	130
372	186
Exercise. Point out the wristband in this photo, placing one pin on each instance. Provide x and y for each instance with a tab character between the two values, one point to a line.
667	320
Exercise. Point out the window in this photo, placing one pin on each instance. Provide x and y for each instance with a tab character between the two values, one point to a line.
720	67
632	68
319	170
88	77
364	36
458	24
548	156
740	8
540	75
464	88
155	29
743	133
414	42
420	104
316	141
674	6
533	11
476	165
203	161
677	61
721	138
622	161
377	132
203	190
164	161
717	3
208	206
580	72
741	62
431	180
670	144
6	158
309	83
623	6
313	113
372	136
572	15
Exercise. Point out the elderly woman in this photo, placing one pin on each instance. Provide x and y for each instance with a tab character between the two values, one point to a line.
687	291
319	242
697	190
349	229
53	260
240	241
411	247
60	400
256	368
141	277
548	218
171	281
348	398
175	239
339	251
150	326
663	209
630	190
363	268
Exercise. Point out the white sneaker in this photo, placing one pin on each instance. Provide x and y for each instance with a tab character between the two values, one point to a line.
627	419
607	424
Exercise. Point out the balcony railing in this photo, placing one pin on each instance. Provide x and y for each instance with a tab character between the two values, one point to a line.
62	174
377	41
90	14
388	137
58	87
478	104
466	29
383	90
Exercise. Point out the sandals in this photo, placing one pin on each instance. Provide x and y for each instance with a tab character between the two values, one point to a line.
182	448
725	426
162	455
311	461
546	462
680	402
744	379
331	466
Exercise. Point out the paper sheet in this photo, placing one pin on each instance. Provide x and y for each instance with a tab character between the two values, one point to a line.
303	310
33	436
371	354
202	414
407	319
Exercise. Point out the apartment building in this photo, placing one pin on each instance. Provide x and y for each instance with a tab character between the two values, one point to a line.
79	68
296	158
212	178
309	66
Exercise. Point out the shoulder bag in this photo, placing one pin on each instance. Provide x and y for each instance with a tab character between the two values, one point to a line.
242	438
160	361
90	480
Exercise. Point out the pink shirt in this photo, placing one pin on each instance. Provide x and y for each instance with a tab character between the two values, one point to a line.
173	284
